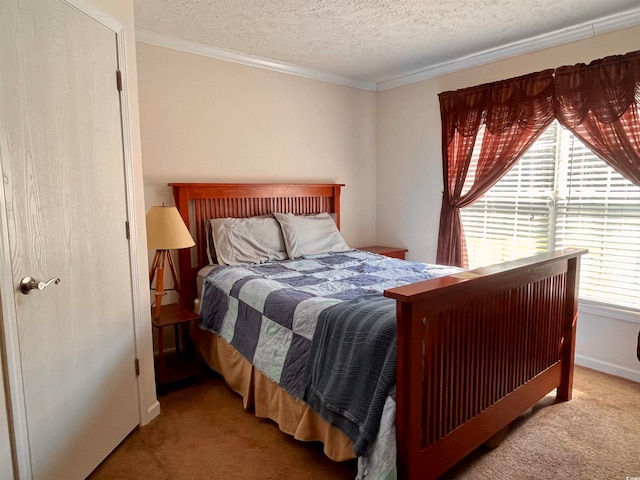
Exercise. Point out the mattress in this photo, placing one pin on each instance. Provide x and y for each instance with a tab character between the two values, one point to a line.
202	273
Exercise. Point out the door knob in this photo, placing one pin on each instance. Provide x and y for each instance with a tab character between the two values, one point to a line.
27	284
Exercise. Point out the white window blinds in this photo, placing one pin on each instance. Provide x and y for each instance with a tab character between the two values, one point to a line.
560	194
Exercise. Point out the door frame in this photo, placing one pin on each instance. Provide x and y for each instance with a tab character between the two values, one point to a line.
9	349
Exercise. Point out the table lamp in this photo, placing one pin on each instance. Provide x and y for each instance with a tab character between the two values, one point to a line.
165	231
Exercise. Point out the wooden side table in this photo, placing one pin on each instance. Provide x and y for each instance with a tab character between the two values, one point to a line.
184	362
393	252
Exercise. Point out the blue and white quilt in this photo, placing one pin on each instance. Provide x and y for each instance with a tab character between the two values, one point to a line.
269	312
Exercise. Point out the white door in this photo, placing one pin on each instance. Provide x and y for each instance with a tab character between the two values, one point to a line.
63	169
6	463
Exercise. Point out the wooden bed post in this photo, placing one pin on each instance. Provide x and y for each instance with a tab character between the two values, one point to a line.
187	282
408	387
564	391
336	203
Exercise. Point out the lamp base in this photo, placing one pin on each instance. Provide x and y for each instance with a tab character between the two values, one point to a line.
161	259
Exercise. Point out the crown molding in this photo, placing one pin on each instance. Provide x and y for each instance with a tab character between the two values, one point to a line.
159	40
630	18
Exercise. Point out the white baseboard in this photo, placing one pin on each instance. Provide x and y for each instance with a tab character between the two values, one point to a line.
152	412
610	368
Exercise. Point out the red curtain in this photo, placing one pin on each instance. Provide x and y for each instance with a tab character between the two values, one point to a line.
600	104
514	113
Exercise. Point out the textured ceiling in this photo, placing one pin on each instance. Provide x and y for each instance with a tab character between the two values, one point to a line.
368	40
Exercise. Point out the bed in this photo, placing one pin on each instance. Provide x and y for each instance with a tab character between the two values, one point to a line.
475	349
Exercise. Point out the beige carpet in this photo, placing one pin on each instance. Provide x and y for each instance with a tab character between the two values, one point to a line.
595	436
203	433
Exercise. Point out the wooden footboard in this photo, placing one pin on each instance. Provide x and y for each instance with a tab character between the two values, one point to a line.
478	349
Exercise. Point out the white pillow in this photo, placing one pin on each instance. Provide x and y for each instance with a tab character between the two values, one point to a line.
240	241
310	234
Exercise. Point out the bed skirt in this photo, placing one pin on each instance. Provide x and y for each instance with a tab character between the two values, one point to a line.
269	400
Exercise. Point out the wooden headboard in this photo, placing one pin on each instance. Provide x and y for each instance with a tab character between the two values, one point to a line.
198	202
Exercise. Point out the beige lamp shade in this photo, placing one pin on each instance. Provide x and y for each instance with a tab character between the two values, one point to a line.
166	229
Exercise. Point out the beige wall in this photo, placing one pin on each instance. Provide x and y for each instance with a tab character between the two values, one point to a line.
209	120
409	179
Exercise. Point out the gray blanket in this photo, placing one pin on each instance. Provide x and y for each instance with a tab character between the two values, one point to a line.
352	366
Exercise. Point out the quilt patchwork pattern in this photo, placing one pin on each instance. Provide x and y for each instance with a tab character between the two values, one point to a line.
269	312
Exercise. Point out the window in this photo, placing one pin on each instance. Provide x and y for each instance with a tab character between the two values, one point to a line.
560	194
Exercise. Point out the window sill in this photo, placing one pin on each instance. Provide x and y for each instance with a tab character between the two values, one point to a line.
609	311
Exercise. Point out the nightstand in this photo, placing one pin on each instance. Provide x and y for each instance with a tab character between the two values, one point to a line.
183	363
393	252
